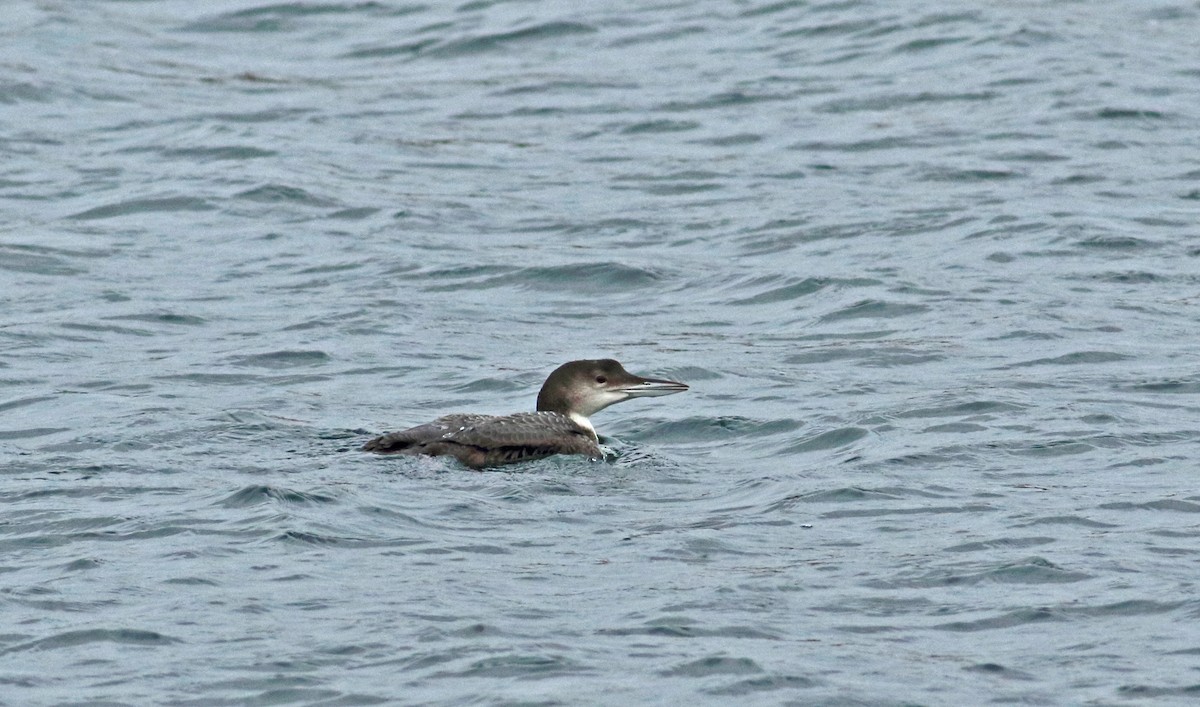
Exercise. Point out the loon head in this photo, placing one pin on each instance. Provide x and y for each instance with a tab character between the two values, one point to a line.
580	388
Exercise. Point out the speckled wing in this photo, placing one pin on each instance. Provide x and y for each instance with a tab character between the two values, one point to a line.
488	440
410	441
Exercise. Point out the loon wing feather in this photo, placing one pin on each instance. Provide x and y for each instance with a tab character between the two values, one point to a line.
411	440
487	440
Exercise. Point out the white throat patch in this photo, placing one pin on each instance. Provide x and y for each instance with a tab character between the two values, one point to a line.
584	423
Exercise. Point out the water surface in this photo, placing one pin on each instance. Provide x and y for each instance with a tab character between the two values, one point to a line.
931	274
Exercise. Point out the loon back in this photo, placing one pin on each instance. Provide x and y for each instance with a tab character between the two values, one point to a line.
480	441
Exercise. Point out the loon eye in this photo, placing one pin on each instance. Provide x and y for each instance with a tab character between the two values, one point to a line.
601	380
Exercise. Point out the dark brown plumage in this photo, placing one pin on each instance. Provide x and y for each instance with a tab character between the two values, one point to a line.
491	440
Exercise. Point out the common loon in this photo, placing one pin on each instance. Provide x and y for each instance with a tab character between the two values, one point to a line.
574	391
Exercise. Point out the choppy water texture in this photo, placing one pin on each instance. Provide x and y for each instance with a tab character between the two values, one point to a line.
933	276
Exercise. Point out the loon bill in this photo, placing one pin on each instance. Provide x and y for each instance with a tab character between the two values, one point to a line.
572	393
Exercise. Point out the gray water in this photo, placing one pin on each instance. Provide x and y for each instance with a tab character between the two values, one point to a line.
932	271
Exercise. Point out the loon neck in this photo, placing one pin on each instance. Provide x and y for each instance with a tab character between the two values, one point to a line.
585	423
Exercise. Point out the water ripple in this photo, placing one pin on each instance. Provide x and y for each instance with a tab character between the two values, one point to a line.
932	284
